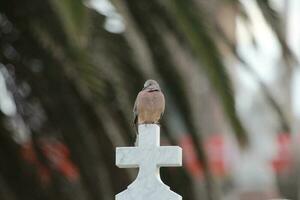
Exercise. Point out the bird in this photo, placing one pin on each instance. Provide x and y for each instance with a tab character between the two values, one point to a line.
149	105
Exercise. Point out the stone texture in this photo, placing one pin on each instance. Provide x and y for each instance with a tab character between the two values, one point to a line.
148	156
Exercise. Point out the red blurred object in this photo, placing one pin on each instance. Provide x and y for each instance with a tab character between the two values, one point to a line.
58	155
283	160
29	155
215	150
190	160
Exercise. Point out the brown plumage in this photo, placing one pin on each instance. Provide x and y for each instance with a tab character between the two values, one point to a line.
149	104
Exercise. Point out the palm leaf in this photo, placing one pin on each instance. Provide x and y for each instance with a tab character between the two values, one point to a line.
208	56
74	17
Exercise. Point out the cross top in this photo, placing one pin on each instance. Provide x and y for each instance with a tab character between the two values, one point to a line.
148	156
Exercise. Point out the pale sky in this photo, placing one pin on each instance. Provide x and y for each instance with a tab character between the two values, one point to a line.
264	58
114	21
7	105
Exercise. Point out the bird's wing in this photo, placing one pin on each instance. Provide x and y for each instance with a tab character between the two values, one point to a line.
163	99
135	117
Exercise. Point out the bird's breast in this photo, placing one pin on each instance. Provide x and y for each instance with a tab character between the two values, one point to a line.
150	106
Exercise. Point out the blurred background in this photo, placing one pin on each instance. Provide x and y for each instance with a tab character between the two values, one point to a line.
70	71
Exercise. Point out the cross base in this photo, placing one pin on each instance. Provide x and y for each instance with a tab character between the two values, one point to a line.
155	192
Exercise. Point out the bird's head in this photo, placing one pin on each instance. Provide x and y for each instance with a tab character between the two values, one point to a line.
151	85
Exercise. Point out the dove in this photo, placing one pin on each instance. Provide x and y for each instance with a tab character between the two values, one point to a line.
149	105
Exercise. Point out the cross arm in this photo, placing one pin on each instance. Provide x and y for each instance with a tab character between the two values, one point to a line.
170	156
127	157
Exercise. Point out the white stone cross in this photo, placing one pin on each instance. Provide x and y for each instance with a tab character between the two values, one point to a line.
148	156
